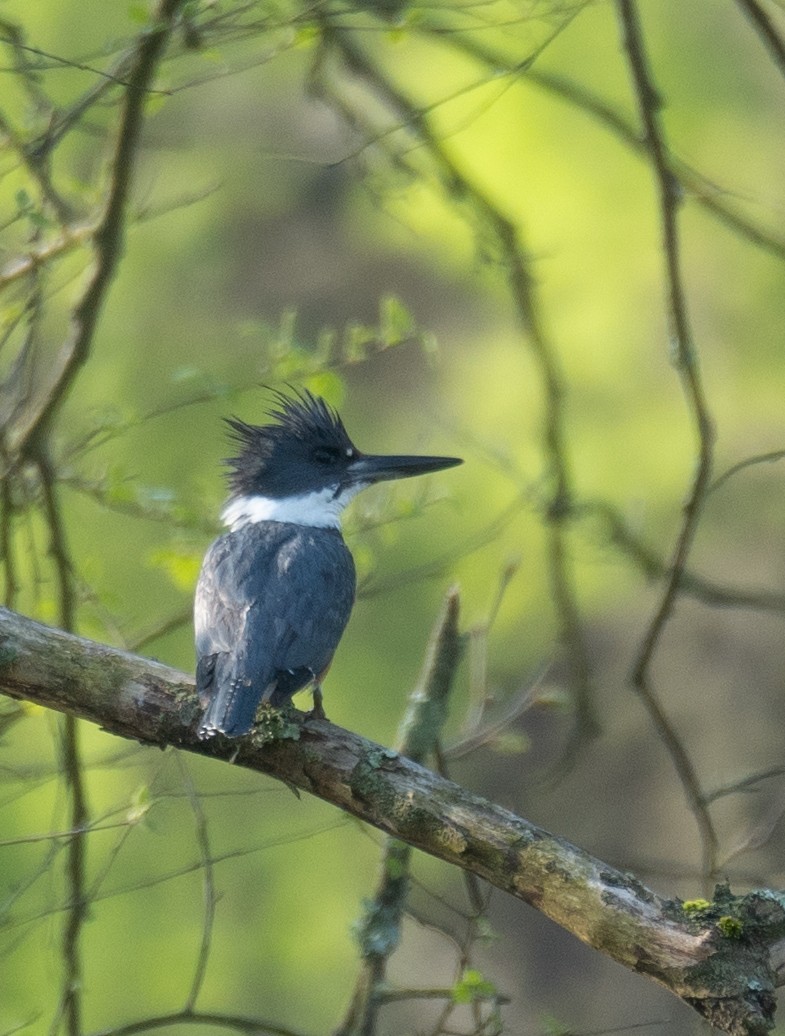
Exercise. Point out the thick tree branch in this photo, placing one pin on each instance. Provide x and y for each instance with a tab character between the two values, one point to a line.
724	959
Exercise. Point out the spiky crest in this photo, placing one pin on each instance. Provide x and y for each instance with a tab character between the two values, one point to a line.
300	418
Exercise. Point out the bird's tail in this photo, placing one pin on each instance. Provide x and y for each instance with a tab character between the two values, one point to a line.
231	709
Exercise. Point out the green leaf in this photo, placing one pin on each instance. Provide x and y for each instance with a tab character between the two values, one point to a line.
510	742
330	385
139	13
23	200
552	1026
485	930
471	987
181	566
140	805
396	323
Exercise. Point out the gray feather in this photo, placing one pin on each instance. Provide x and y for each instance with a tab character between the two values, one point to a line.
272	602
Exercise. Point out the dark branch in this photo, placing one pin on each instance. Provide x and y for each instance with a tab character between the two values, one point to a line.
767	31
380	927
686	362
71	757
110	231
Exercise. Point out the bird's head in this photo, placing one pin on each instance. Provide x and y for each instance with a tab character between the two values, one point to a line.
303	467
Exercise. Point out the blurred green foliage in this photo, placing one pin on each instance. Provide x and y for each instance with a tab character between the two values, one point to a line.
314	202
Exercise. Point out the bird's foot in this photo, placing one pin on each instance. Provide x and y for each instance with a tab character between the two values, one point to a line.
317	712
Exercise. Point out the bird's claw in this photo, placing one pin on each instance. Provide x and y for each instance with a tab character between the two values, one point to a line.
317	712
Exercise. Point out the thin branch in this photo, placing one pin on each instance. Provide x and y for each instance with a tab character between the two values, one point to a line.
391	996
767	31
744	784
729	981
757	836
706	194
71	997
36	164
7	543
58	546
485	732
179	1019
161	629
208	879
479	900
70	237
372	587
110	232
64	121
380	928
621	536
772	457
75	235
686	363
95	894
22	68
62	62
694	184
30	438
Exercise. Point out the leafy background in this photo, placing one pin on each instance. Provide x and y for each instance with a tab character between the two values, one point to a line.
290	224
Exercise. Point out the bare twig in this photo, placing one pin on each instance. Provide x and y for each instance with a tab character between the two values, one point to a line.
161	629
98	895
58	546
57	59
686	363
695	185
179	1019
767	31
757	836
36	164
772	457
7	543
479	898
42	252
380	928
110	231
706	194
654	567
210	893
71	996
486	732
744	784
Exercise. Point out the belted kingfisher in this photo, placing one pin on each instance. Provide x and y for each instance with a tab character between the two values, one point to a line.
275	592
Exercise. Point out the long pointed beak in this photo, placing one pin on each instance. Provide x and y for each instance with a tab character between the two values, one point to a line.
370	468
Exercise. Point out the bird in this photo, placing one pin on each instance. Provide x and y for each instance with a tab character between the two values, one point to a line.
275	592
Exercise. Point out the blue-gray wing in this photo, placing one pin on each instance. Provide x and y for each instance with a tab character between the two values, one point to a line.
272	602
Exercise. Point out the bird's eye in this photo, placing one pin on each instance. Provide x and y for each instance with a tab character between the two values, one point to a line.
326	455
